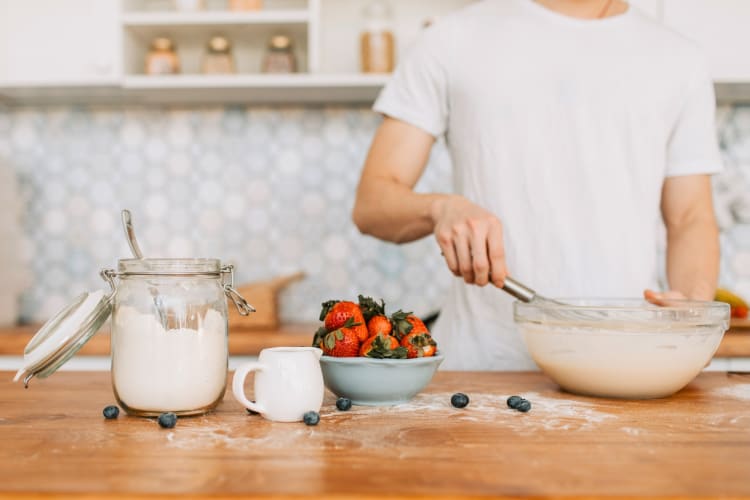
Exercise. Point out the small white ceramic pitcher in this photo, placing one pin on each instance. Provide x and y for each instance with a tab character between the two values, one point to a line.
288	383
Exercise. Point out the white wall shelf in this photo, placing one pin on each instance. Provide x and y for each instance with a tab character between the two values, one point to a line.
215	18
295	88
207	89
300	80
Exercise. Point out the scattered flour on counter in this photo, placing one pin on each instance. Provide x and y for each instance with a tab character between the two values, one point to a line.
548	413
632	431
254	434
737	391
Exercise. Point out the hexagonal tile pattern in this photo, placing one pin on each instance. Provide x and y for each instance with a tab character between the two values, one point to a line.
270	189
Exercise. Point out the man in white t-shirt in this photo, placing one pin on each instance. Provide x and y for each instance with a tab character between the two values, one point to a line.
572	126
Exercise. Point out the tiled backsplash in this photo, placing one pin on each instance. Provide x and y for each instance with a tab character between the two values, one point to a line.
269	189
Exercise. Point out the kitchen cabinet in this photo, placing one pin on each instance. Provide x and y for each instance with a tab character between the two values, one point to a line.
326	34
693	444
81	51
117	34
49	42
721	28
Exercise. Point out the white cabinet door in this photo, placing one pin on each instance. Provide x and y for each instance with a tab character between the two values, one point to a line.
52	42
721	27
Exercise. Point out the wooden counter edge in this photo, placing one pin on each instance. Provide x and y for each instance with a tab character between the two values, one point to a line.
736	342
332	496
241	342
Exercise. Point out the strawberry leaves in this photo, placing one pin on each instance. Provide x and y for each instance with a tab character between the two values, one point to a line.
320	334
370	307
330	339
401	327
326	307
381	349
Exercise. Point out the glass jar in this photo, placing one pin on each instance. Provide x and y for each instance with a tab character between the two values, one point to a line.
280	56
377	45
188	5
240	5
169	334
162	58
218	59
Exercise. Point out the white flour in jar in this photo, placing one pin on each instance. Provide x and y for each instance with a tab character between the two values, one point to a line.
158	370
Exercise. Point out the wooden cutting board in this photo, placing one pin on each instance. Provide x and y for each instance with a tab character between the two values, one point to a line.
264	296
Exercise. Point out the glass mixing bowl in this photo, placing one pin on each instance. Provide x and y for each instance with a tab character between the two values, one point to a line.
622	348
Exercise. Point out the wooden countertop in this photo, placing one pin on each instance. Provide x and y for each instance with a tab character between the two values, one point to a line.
249	342
736	342
695	444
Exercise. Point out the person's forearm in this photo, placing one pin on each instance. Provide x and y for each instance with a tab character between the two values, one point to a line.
693	258
391	211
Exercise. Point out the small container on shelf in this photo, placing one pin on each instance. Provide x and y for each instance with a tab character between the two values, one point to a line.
218	59
188	5
162	58
377	41
280	56
244	5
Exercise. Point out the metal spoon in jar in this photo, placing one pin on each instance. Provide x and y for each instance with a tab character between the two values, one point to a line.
127	224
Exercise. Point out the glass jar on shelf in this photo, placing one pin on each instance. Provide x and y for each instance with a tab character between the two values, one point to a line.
377	44
162	58
188	5
280	56
244	5
218	59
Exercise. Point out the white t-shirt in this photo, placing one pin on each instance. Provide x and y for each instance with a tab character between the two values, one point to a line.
565	129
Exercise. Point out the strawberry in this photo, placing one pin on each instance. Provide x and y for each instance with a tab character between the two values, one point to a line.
370	308
359	328
379	324
405	323
382	346
336	313
739	312
341	343
419	345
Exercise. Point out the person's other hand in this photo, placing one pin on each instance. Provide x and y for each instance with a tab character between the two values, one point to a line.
471	239
662	298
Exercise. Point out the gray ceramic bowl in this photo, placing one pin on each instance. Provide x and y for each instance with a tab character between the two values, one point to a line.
378	382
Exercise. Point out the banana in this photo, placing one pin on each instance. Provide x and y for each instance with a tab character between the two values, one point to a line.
734	300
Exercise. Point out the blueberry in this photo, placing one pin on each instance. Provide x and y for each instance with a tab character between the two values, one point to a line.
513	401
523	406
111	412
343	404
167	420
459	400
311	418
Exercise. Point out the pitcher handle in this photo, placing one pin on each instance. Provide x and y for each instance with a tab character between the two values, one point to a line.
238	385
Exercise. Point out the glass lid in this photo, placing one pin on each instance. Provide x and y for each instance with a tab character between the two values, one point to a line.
64	335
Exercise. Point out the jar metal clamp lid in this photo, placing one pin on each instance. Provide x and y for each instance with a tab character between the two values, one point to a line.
65	333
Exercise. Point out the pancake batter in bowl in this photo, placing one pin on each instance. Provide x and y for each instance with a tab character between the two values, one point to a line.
634	361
